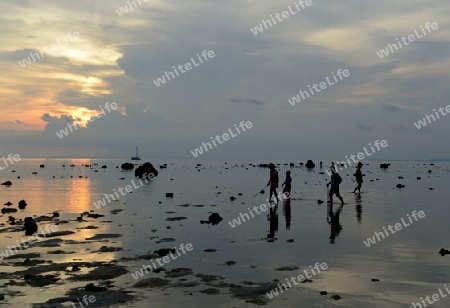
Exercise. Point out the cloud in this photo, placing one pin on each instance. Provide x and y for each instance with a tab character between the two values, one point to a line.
248	100
364	127
392	108
16	122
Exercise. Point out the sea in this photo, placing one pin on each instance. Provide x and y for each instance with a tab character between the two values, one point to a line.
229	264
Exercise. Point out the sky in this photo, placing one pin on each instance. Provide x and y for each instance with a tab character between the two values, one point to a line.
103	54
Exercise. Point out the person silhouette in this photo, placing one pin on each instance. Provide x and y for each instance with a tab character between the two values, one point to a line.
287	184
359	178
335	181
273	182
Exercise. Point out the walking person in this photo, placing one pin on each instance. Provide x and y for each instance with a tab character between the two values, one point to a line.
287	183
273	182
335	181
359	178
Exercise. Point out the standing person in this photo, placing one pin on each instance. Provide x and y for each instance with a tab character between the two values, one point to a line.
273	182
287	183
335	181
359	178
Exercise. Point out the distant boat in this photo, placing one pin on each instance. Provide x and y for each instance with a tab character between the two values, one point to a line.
137	155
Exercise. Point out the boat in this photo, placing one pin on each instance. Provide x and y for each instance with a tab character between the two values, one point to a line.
137	155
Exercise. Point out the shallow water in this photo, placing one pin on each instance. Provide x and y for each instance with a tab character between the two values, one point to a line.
407	263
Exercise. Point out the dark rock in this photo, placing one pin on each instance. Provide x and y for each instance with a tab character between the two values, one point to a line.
165	251
75	268
210	291
41	166
169	195
336	297
127	166
232	198
400	186
146	171
179	272
384	166
375	280
30	226
152	283
419	178
310	164
22	204
8	210
444	252
323	292
7	183
40	280
55	214
8	203
319	201
213	219
94	215
287	268
91	288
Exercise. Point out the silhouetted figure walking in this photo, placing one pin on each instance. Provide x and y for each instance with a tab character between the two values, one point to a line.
335	181
287	183
273	182
359	178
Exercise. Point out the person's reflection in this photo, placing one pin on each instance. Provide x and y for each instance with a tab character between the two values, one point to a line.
287	212
333	221
358	207
273	219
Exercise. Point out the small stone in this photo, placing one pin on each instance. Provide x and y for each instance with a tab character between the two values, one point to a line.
323	292
336	297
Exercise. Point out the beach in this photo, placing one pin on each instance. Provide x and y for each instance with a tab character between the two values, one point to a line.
225	266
